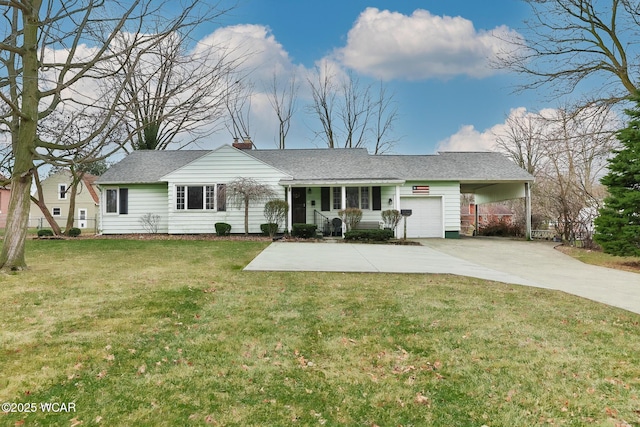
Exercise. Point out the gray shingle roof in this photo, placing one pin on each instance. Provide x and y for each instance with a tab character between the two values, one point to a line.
148	166
333	165
336	164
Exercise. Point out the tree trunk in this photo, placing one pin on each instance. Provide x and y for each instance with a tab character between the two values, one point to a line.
246	217
12	255
40	202
72	205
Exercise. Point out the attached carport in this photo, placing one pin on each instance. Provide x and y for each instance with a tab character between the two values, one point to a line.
492	192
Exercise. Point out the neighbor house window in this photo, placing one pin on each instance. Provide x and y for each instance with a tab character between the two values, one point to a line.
199	197
55	211
62	191
117	200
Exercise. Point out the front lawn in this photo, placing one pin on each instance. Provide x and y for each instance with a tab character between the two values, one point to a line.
171	332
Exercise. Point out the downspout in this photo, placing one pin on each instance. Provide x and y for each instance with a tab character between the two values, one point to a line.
290	210
527	203
343	205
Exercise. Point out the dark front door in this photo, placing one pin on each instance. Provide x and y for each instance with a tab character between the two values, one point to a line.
299	205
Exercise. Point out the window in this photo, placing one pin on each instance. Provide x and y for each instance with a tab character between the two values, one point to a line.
112	200
364	197
222	197
194	198
210	197
199	197
117	200
337	198
180	197
62	191
353	197
55	211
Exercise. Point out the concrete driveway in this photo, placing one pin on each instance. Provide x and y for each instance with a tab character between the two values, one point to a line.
525	263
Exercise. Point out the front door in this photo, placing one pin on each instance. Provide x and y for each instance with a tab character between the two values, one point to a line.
299	205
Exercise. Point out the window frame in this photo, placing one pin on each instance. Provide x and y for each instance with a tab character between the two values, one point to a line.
120	205
53	211
62	191
210	197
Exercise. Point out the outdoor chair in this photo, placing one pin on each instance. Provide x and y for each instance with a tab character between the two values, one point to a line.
337	227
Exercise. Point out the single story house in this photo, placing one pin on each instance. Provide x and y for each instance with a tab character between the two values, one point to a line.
186	189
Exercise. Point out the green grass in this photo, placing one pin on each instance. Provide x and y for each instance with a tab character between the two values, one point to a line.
168	333
601	259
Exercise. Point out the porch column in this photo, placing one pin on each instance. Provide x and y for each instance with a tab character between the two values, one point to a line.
290	210
343	204
397	207
527	205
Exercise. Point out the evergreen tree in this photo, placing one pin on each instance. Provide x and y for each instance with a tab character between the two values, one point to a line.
618	225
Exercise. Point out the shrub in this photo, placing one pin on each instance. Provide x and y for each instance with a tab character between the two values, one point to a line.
275	211
351	217
304	231
45	232
74	232
222	228
500	228
391	218
269	229
150	222
369	235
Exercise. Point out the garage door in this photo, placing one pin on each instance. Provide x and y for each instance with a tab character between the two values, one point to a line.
426	218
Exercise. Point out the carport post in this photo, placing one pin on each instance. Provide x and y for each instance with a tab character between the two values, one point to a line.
527	203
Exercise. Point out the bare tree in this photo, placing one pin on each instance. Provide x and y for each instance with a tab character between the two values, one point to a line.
244	191
48	50
569	41
283	100
566	151
384	117
238	108
523	140
349	114
173	90
323	91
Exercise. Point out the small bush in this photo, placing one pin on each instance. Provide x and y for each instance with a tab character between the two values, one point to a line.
275	211
351	216
222	228
45	232
74	232
391	218
304	231
369	235
269	229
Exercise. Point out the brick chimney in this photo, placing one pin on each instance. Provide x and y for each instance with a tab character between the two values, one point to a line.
244	145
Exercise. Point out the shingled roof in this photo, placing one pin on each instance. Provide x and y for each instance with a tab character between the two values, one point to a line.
338	164
148	166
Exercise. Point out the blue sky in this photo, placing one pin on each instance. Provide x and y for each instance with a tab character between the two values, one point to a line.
448	97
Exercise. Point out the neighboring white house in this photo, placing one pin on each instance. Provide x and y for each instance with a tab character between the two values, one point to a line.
187	188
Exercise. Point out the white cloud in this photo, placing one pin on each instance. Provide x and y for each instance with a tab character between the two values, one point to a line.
389	45
468	138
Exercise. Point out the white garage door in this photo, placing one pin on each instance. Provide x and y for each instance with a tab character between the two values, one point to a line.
426	218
